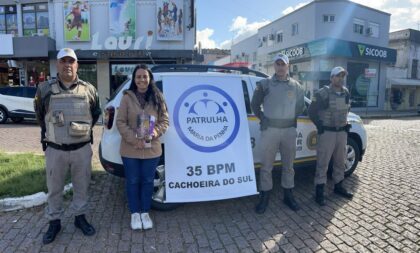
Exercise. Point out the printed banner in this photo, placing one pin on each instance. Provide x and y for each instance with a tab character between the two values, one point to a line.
76	20
122	18
208	154
170	20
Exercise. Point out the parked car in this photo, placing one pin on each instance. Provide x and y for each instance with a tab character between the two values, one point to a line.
17	103
306	140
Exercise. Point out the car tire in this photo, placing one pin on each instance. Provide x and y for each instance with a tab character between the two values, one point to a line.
159	192
16	119
3	116
353	156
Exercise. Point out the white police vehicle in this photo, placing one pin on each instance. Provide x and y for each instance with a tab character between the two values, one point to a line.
306	139
16	103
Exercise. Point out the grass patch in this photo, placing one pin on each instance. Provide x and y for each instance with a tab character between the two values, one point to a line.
24	174
21	174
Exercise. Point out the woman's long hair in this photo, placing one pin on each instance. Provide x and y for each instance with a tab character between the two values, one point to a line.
153	93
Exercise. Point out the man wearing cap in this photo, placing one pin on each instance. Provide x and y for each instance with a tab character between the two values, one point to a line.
277	102
67	108
328	111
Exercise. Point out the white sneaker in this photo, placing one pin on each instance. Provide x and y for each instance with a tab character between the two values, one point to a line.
147	221
135	221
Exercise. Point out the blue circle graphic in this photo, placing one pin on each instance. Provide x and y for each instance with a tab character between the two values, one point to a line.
184	138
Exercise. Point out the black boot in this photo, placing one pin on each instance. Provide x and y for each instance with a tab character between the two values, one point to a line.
319	194
80	222
53	229
340	190
262	205
289	200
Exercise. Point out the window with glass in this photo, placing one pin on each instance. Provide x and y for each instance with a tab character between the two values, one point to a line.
363	88
279	37
328	18
8	20
35	19
88	72
358	26
373	30
295	29
414	69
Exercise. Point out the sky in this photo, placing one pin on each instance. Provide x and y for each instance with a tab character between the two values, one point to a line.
219	22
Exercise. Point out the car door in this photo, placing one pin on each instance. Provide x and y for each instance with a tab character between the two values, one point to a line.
306	131
27	99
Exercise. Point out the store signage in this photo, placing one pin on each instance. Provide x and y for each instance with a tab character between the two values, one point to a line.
370	73
122	43
373	52
294	52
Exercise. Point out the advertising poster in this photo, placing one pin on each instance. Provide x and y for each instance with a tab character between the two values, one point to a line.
122	18
76	20
208	152
170	20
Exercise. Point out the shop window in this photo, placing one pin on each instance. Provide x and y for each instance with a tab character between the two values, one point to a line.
88	72
120	73
38	72
35	19
8	20
358	26
414	69
363	90
295	29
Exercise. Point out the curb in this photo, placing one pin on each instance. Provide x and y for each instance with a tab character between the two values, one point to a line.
37	199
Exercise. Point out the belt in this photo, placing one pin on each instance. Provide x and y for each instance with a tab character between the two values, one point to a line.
281	123
66	147
335	129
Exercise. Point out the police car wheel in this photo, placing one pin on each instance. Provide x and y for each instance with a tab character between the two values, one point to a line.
159	193
3	116
353	156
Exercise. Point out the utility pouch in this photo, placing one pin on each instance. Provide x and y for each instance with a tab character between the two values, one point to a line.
79	129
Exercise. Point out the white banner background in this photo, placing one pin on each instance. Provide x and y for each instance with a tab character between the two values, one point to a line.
192	154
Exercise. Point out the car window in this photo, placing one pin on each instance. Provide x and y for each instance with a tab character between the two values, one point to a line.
4	91
159	85
118	90
246	97
29	92
14	91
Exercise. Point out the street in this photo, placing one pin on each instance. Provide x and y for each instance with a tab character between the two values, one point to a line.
384	215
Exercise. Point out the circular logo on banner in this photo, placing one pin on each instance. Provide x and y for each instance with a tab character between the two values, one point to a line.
206	118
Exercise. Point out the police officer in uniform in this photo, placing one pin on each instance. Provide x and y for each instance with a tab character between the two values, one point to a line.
277	102
67	108
328	111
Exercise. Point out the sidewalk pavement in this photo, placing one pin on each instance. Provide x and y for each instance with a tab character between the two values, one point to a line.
376	114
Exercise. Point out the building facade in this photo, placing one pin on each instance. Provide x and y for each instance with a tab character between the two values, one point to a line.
109	36
328	33
403	82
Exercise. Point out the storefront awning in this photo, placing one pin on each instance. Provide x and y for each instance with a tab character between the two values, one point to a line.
404	82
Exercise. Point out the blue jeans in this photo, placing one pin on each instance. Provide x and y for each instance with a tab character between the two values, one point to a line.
139	176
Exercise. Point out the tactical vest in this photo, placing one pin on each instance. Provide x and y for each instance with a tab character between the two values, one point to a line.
337	107
69	119
279	100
